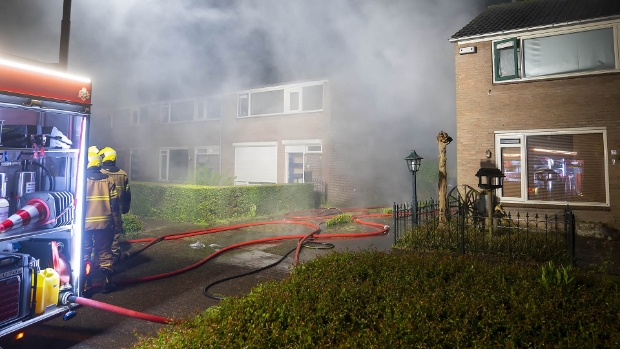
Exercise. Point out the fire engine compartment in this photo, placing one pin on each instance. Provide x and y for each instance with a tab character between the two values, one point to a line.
42	148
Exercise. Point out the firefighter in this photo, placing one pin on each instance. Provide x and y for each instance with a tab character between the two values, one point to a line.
100	223
120	178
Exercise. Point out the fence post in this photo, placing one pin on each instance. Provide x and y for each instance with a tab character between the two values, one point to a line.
394	210
569	228
325	196
461	225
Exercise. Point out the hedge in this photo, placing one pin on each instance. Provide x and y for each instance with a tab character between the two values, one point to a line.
203	204
372	299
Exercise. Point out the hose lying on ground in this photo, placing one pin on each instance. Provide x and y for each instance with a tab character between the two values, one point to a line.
303	242
307	244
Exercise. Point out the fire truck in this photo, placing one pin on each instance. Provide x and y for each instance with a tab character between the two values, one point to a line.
44	118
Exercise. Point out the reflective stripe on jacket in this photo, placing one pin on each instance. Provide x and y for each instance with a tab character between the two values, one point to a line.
121	180
101	203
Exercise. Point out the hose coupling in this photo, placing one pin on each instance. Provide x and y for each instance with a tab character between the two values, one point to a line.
64	295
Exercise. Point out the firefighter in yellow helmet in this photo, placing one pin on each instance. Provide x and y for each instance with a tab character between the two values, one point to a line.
120	178
100	223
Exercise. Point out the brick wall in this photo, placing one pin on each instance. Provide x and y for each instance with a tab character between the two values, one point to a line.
483	108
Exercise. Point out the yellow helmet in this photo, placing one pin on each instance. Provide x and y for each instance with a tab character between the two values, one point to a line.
94	160
107	154
93	149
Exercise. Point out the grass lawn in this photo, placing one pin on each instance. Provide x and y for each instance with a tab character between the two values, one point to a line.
404	299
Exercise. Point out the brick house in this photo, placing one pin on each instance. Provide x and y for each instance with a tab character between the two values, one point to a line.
538	94
272	134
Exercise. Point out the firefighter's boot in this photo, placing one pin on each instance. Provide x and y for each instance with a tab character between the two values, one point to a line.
107	285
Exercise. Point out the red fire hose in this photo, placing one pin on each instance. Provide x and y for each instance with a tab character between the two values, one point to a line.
113	308
381	229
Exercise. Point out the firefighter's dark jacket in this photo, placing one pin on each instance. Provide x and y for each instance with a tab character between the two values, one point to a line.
120	178
101	201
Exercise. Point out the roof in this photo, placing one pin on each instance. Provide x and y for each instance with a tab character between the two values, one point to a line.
536	13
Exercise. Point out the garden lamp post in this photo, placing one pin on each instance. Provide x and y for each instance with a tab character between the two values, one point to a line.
490	179
413	163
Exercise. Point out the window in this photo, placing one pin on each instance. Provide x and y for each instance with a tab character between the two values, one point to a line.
268	102
173	165
564	166
506	59
294	101
182	111
244	104
561	54
165	113
137	165
214	108
163	165
297	98
312	97
207	164
569	53
314	149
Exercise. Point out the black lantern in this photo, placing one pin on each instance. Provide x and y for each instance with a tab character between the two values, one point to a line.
413	163
490	178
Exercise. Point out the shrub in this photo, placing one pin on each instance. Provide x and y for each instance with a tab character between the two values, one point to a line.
131	224
206	176
202	204
343	218
407	300
508	240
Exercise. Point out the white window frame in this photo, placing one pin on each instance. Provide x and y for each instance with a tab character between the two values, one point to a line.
523	134
167	150
287	91
615	25
167	117
163	151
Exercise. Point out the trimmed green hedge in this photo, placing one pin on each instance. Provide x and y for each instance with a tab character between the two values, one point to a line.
200	204
372	299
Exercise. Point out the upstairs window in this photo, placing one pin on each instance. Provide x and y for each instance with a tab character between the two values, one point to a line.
553	55
214	108
312	97
570	53
182	111
506	59
267	102
244	104
289	99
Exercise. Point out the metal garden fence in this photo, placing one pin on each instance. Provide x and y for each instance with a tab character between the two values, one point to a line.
529	235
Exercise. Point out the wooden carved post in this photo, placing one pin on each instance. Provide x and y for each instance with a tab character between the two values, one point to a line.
443	140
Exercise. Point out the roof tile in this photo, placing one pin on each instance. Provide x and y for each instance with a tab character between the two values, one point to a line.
528	14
